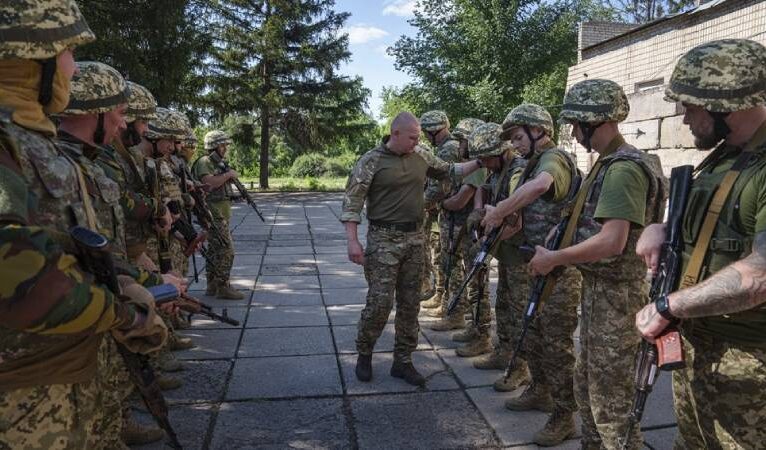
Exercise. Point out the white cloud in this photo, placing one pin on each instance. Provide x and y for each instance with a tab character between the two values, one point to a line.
362	34
401	8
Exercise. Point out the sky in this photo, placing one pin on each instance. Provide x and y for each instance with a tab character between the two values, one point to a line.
375	25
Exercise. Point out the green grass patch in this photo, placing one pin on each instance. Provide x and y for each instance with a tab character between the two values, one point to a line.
294	184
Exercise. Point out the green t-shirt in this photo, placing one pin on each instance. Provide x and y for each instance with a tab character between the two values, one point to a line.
556	166
476	179
623	194
205	167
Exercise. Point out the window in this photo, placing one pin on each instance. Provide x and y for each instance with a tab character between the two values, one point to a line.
651	85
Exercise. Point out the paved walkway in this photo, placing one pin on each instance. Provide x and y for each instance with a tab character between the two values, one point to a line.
285	377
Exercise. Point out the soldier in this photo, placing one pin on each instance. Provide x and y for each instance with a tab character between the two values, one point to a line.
545	187
719	396
390	179
624	191
220	252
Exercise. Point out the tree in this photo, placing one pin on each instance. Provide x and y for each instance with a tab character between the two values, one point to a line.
278	59
642	11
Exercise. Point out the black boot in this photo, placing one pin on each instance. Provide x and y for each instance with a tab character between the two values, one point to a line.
364	367
408	373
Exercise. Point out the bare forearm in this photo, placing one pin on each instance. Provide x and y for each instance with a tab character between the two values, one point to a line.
526	194
351	231
459	200
594	249
215	181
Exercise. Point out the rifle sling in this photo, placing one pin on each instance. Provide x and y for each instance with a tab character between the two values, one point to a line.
90	213
694	270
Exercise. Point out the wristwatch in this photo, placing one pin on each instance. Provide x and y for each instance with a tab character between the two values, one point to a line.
663	307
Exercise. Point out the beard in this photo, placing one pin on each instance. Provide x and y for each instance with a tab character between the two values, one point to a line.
706	140
130	136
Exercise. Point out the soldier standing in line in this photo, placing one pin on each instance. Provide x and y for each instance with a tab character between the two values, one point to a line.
624	191
720	396
220	251
546	185
390	179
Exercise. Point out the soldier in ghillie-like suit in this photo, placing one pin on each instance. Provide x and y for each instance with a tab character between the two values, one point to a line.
720	397
624	191
390	180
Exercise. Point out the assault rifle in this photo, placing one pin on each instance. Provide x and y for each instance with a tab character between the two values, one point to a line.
95	259
166	293
153	180
451	251
224	167
667	352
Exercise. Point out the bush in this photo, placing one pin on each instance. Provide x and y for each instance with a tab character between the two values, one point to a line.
340	166
310	165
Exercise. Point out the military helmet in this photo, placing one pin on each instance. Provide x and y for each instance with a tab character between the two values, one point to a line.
593	101
168	125
215	138
485	141
465	127
434	121
34	29
96	88
141	104
527	114
720	76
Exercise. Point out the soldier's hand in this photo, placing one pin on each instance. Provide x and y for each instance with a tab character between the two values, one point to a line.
169	308
356	252
163	224
649	245
512	226
178	282
492	218
232	174
543	262
650	323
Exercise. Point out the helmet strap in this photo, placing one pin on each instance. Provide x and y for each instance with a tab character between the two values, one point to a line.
99	134
131	136
48	71
720	128
588	129
532	139
155	151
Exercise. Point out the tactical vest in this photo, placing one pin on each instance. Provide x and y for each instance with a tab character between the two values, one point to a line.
170	184
628	265
507	251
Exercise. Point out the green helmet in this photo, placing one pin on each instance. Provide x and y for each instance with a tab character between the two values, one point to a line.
215	138
41	29
593	101
434	121
485	141
96	88
168	125
721	76
527	114
465	127
141	104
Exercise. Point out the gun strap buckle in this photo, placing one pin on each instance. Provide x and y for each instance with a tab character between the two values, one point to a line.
726	245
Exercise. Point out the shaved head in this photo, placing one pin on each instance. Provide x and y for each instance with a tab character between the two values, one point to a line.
403	120
405	133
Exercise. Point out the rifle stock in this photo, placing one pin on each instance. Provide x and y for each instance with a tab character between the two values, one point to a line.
224	166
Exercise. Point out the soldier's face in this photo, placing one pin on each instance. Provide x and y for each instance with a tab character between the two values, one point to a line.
405	139
222	149
65	64
165	146
114	123
520	141
140	126
701	125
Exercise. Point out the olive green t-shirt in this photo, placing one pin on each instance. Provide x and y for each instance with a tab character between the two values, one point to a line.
205	167
556	165
623	194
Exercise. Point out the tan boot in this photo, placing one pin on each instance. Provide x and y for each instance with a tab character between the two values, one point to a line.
180	343
476	347
468	334
212	289
168	363
133	433
229	293
438	312
168	382
447	324
519	377
559	428
180	322
433	302
534	397
497	360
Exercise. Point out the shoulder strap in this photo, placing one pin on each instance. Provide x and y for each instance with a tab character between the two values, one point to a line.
117	144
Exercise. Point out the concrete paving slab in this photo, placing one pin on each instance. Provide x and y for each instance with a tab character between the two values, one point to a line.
334	250
291	242
350	296
248	235
439	339
428	364
234	312
661	439
287	297
237	281
420	420
464	370
249	247
285	377
333	258
345	339
242	270
300	250
204	382
210	344
246	260
222	303
343	281
349	314
190	423
278	282
282	236
286	342
306	258
287	316
289	269
340	269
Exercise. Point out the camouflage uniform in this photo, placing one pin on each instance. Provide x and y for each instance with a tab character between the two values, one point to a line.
719	397
614	289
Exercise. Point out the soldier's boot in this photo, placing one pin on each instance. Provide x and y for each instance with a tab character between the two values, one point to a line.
519	377
439	312
535	396
453	322
229	293
479	346
433	302
180	343
133	433
497	360
364	367
168	382
408	373
180	322
212	288
169	363
467	334
560	427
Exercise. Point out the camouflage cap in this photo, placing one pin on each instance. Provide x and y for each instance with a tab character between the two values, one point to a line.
721	76
433	121
141	104
41	29
593	101
465	127
527	114
215	138
96	88
485	141
168	125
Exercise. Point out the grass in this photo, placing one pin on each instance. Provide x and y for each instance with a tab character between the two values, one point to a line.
292	184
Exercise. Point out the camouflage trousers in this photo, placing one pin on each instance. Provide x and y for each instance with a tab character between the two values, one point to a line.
394	270
604	373
180	260
114	385
720	397
433	275
512	294
51	417
477	291
220	253
550	340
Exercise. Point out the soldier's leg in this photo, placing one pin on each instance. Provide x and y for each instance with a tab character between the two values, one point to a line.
478	297
456	320
590	439
407	304
435	261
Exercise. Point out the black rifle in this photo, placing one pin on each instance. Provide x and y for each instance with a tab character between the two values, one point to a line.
191	237
224	167
666	353
153	180
95	259
166	293
193	243
479	265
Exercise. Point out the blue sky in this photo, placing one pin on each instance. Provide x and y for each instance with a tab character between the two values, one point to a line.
373	26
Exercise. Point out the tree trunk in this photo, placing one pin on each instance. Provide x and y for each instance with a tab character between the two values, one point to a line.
263	177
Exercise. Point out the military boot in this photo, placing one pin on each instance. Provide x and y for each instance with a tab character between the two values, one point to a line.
476	347
229	293
560	427
168	382
180	343
364	367
497	360
438	312
535	396
467	334
133	433
519	377
212	288
408	373
454	322
168	363
180	322
433	302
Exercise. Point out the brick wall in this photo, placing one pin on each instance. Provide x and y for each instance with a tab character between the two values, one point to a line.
591	33
642	62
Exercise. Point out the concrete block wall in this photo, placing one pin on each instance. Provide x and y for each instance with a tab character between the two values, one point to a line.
592	33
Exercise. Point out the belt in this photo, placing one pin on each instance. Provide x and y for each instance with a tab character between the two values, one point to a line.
406	227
